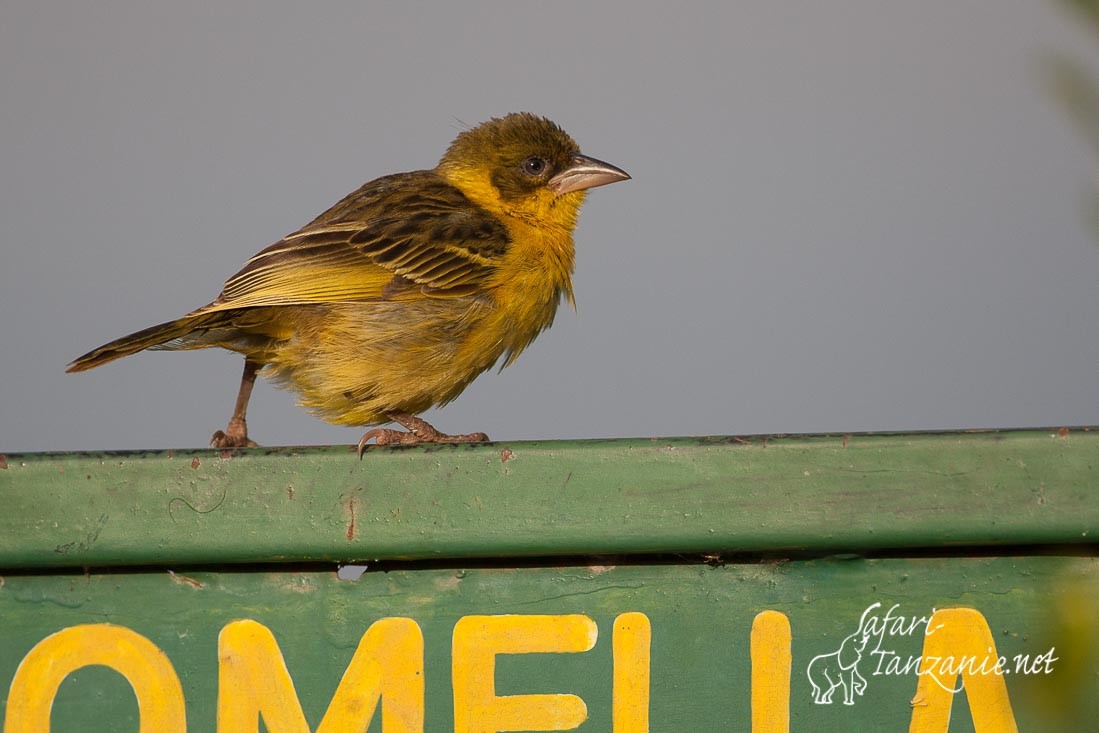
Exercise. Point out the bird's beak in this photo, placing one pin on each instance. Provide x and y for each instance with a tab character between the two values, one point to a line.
586	173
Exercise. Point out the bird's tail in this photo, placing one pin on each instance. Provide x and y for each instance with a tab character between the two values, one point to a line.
181	333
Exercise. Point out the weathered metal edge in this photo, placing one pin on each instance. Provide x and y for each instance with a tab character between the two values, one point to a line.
773	494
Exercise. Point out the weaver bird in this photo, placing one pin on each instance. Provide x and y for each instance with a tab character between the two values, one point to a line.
397	297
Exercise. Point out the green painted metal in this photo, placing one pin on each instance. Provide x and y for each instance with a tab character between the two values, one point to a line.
622	497
701	617
181	522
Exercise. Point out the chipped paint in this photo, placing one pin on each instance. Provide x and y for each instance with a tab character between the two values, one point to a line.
185	580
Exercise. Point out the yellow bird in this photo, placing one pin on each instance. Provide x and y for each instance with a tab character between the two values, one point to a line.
397	297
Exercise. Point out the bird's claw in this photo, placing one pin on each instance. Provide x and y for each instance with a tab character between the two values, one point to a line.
385	436
235	435
223	440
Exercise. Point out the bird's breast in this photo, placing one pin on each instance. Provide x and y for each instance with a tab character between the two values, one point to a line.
535	278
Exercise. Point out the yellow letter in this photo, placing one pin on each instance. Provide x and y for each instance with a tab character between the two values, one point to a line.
954	636
631	641
253	681
145	667
477	641
770	652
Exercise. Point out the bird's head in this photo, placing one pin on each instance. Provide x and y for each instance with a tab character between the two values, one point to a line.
525	166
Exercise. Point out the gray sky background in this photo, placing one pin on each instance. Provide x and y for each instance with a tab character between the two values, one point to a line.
844	216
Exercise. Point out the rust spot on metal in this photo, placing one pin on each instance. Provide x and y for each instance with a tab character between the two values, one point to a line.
3	461
177	578
195	463
505	454
1062	432
351	524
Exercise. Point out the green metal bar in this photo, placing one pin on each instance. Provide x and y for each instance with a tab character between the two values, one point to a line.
686	495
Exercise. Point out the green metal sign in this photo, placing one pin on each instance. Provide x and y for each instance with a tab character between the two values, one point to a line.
920	583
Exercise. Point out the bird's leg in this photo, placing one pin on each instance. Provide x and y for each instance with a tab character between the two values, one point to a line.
235	434
419	431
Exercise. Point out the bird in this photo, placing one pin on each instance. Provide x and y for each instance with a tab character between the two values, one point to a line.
398	296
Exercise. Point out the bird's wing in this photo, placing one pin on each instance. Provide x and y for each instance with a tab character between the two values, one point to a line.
401	236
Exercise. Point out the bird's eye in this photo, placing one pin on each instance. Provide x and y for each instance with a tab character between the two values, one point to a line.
534	166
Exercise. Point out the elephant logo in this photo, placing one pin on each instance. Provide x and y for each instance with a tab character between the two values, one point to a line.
840	668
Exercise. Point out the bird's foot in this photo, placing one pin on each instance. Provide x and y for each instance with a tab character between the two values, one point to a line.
235	435
419	431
